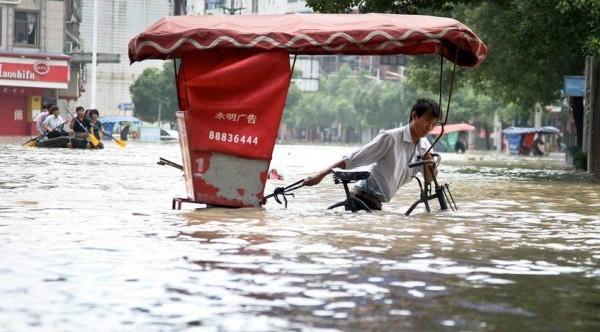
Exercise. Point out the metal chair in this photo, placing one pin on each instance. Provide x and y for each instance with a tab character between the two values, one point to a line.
442	192
344	177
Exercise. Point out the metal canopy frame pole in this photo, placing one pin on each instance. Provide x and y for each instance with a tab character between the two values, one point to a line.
443	123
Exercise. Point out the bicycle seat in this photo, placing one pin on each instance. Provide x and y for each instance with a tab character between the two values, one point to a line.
345	175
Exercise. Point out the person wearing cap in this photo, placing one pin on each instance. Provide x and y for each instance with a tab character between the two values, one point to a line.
388	156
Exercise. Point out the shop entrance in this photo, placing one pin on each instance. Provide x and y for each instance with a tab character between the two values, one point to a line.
13	116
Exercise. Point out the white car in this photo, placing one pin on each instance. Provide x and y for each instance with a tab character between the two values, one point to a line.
169	135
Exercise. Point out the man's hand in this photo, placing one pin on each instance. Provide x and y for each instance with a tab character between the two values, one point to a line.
429	169
313	180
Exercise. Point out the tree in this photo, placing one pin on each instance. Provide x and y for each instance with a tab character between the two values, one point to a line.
532	44
153	88
378	6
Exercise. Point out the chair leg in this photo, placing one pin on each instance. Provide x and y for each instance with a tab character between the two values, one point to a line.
412	207
361	203
425	199
350	204
342	203
439	192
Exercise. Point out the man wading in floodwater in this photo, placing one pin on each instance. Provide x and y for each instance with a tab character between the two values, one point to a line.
388	156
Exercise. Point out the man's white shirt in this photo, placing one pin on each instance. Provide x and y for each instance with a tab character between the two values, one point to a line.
53	122
387	156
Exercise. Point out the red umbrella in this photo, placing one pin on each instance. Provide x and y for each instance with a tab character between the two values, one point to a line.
452	128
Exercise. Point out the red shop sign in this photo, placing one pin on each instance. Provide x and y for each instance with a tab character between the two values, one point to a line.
40	71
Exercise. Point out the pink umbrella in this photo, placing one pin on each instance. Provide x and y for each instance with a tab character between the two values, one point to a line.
452	128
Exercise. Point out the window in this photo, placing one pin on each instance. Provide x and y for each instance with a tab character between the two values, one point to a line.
26	28
214	4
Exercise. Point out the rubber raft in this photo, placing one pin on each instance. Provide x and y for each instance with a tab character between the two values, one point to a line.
68	142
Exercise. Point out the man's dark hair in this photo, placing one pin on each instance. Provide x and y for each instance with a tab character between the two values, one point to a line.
94	111
79	108
422	105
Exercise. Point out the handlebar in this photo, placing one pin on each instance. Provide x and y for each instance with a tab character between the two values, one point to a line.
436	159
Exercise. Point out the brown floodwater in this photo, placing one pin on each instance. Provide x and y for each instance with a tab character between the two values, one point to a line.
88	241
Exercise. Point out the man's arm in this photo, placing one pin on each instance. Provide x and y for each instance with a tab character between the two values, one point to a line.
39	123
318	177
46	124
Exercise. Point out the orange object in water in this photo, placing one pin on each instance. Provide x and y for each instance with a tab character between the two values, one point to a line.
274	175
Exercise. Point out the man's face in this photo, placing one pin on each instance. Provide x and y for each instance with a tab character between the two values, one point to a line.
424	124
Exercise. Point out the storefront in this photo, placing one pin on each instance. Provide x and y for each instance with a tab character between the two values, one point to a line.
27	80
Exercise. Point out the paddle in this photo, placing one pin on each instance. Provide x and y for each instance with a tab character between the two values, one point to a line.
33	142
117	140
92	138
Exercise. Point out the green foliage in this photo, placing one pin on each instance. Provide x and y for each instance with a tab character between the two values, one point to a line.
152	88
588	12
532	44
580	160
360	101
378	6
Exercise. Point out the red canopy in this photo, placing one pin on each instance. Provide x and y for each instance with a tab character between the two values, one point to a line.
452	128
357	34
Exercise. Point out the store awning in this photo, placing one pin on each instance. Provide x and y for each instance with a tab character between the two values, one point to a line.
530	130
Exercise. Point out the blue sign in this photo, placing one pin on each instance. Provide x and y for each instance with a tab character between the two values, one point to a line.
125	106
574	86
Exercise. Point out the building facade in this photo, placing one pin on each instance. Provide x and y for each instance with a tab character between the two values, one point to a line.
245	7
117	27
33	65
118	22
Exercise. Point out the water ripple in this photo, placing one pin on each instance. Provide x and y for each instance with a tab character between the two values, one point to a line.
521	252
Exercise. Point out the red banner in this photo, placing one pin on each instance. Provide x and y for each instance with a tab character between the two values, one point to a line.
34	72
235	102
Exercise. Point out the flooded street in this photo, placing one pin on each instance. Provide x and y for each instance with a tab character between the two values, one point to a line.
88	242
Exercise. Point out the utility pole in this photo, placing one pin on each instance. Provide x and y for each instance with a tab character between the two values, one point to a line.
94	53
591	128
159	111
232	9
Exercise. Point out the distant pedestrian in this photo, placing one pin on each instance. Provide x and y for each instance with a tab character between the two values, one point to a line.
125	132
538	145
459	146
559	143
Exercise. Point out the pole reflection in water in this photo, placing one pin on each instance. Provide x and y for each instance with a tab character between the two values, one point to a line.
88	239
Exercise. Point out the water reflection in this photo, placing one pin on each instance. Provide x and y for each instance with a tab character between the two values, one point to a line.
91	234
